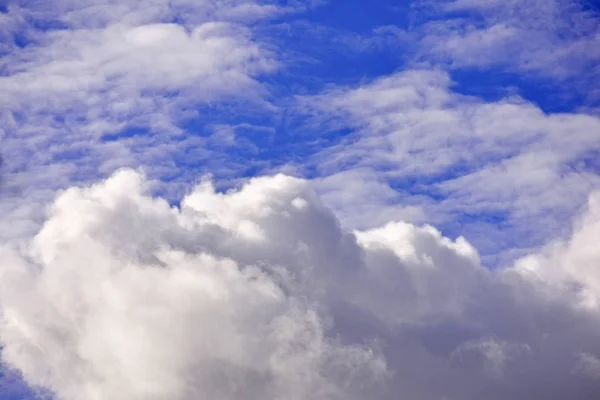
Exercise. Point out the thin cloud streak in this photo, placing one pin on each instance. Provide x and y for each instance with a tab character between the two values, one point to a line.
462	156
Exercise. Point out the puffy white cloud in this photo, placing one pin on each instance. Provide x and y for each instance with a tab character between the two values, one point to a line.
134	299
259	293
574	262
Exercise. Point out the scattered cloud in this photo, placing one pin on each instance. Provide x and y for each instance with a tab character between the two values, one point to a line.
94	87
550	46
557	39
453	155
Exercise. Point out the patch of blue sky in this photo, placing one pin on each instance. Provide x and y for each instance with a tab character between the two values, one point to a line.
590	5
12	387
495	84
363	17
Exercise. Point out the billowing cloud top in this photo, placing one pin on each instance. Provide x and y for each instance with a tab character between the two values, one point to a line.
259	293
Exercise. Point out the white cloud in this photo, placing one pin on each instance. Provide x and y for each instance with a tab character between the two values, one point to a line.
575	262
590	365
447	155
557	38
162	309
128	60
101	81
258	293
74	96
362	198
86	13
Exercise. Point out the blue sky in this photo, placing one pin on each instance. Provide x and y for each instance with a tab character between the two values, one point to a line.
480	118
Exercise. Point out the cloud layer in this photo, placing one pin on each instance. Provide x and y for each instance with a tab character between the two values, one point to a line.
259	293
89	87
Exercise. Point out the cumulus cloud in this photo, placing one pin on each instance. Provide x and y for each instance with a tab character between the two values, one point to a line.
260	293
443	155
178	303
574	261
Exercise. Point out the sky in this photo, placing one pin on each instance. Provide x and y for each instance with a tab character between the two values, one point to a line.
302	199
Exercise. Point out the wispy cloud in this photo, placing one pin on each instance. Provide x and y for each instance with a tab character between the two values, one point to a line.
505	159
93	87
557	39
553	43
